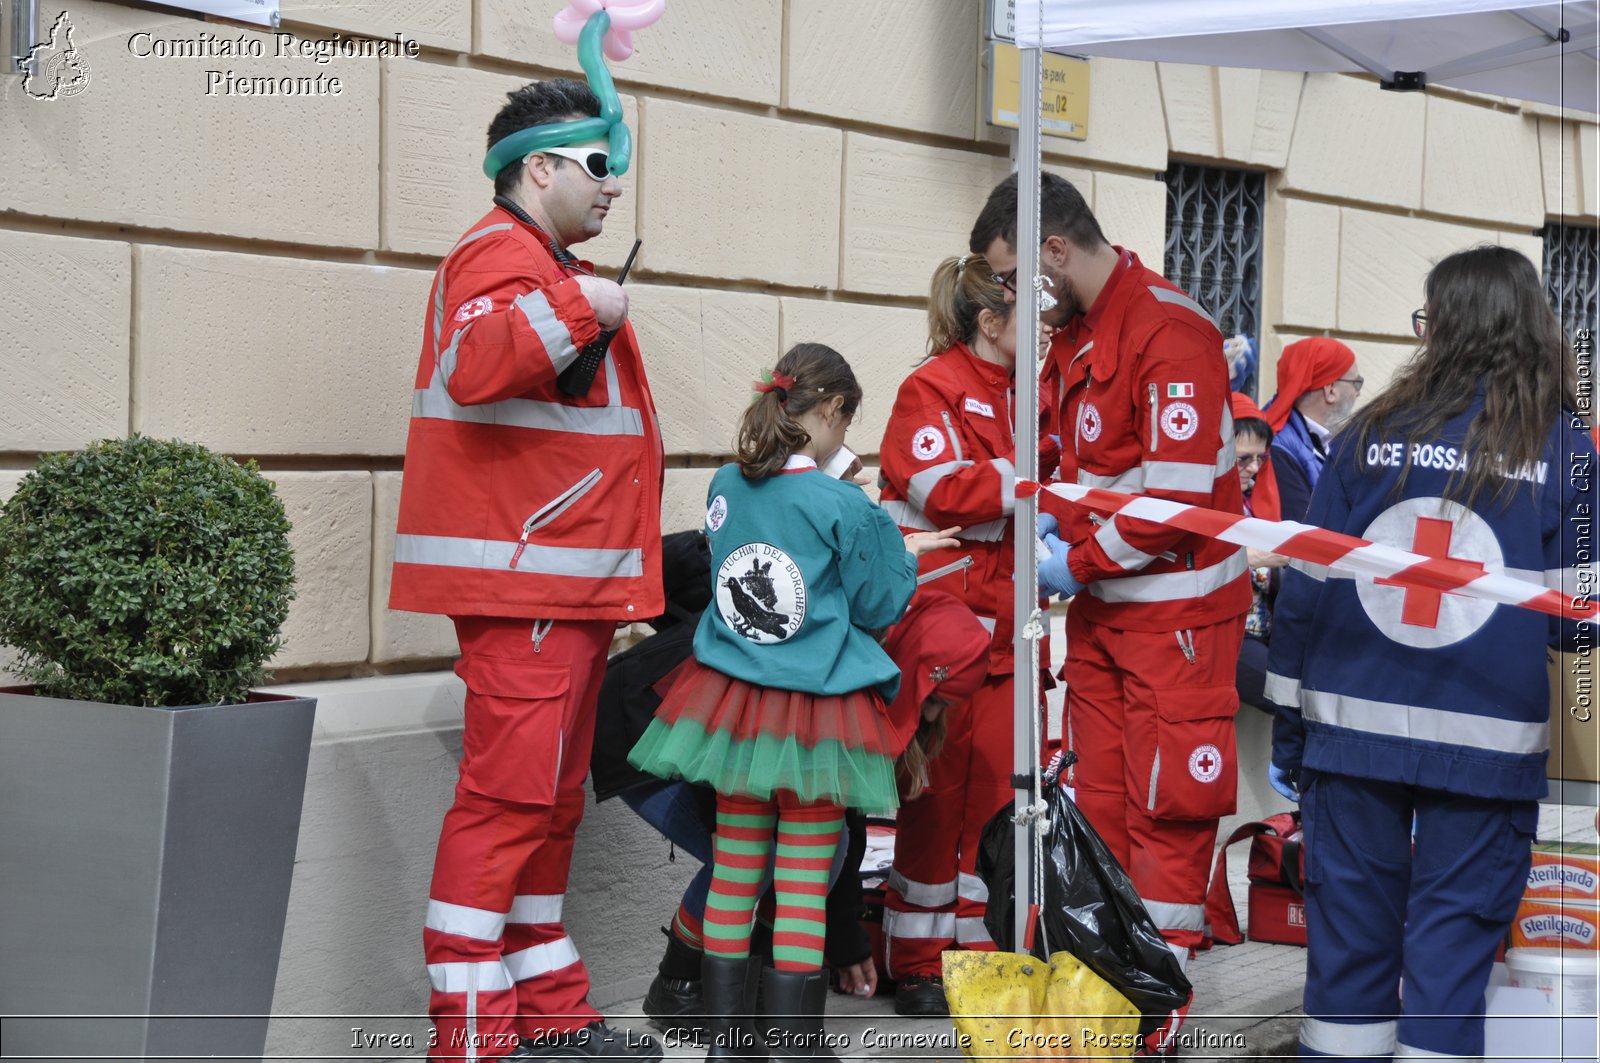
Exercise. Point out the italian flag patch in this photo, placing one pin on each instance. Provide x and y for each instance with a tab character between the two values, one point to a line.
1180	391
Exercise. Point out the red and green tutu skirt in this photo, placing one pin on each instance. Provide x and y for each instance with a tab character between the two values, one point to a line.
740	738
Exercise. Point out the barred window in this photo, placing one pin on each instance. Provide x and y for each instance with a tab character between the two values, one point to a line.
1214	223
1572	275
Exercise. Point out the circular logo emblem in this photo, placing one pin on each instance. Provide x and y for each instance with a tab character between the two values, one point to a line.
716	513
1205	763
474	308
1089	423
1416	616
761	594
927	444
1180	421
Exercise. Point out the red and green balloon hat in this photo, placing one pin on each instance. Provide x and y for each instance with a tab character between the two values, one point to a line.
600	28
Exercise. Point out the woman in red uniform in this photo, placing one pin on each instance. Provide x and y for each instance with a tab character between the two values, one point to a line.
947	461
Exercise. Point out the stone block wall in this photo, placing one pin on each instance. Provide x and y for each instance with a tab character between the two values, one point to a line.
250	272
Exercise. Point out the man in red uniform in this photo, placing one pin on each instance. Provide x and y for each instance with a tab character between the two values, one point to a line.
530	515
1140	388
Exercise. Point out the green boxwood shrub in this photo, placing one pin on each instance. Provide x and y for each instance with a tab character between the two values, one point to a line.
144	572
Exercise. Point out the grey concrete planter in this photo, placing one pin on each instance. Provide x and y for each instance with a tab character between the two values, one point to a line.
145	861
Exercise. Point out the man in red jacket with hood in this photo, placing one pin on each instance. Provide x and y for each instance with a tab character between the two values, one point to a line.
530	515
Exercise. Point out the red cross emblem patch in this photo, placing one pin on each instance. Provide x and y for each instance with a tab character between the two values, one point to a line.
927	444
474	308
1205	763
1180	421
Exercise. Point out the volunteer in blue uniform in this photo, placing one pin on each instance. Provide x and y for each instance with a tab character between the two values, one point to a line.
1397	702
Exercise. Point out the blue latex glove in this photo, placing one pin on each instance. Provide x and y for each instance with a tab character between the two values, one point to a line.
1283	782
1054	575
1048	525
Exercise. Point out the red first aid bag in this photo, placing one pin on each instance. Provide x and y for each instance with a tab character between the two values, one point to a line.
1277	872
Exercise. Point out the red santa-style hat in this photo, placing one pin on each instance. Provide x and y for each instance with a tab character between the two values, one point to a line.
941	648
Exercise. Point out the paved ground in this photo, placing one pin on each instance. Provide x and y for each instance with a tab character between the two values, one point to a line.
1247	997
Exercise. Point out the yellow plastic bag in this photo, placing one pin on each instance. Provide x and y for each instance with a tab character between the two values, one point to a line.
1009	1006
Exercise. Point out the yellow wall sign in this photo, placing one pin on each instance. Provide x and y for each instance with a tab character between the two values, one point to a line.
1065	111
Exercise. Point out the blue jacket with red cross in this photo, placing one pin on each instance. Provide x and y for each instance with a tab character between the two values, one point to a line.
1442	691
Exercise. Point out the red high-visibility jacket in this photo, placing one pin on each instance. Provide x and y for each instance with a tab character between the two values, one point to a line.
1141	390
519	500
946	460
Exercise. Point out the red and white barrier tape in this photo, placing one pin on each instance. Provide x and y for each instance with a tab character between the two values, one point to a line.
1346	553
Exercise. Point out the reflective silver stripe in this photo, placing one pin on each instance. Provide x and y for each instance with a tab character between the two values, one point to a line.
554	336
1118	550
435	402
988	623
1168	916
990	531
1175	298
935	926
1424	724
907	515
1008	484
971	931
465	922
1282	690
490	975
1405	1051
1131	482
480	234
438	294
445	366
1348	1038
923	483
1171	586
1180	476
972	888
541	959
612	388
922	894
1155	773
453	552
536	908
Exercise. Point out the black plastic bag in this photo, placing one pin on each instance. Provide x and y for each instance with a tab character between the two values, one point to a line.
1089	908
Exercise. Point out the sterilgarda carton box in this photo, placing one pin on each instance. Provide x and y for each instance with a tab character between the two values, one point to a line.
1564	869
1556	922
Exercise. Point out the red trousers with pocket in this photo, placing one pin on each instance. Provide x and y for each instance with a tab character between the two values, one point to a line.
934	899
499	961
1151	716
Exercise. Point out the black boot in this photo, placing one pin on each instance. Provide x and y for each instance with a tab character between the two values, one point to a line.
674	1001
793	1024
728	1020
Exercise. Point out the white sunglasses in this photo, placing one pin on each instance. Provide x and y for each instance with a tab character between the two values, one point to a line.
595	161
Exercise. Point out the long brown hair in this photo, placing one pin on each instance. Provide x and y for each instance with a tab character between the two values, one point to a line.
962	289
1490	325
769	431
925	745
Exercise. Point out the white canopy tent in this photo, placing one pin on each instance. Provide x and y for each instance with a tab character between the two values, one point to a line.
1545	53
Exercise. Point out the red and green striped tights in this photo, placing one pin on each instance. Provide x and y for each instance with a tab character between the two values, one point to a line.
806	838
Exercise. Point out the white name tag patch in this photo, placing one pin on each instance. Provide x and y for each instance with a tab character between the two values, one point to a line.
983	409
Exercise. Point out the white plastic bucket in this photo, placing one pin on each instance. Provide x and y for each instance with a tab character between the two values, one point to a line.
1569	978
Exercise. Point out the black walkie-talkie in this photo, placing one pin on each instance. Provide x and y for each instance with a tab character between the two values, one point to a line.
577	378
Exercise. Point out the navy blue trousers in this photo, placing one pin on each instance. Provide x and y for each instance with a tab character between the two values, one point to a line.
1379	912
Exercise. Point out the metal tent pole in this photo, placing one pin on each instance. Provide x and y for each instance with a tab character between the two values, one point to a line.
1025	756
